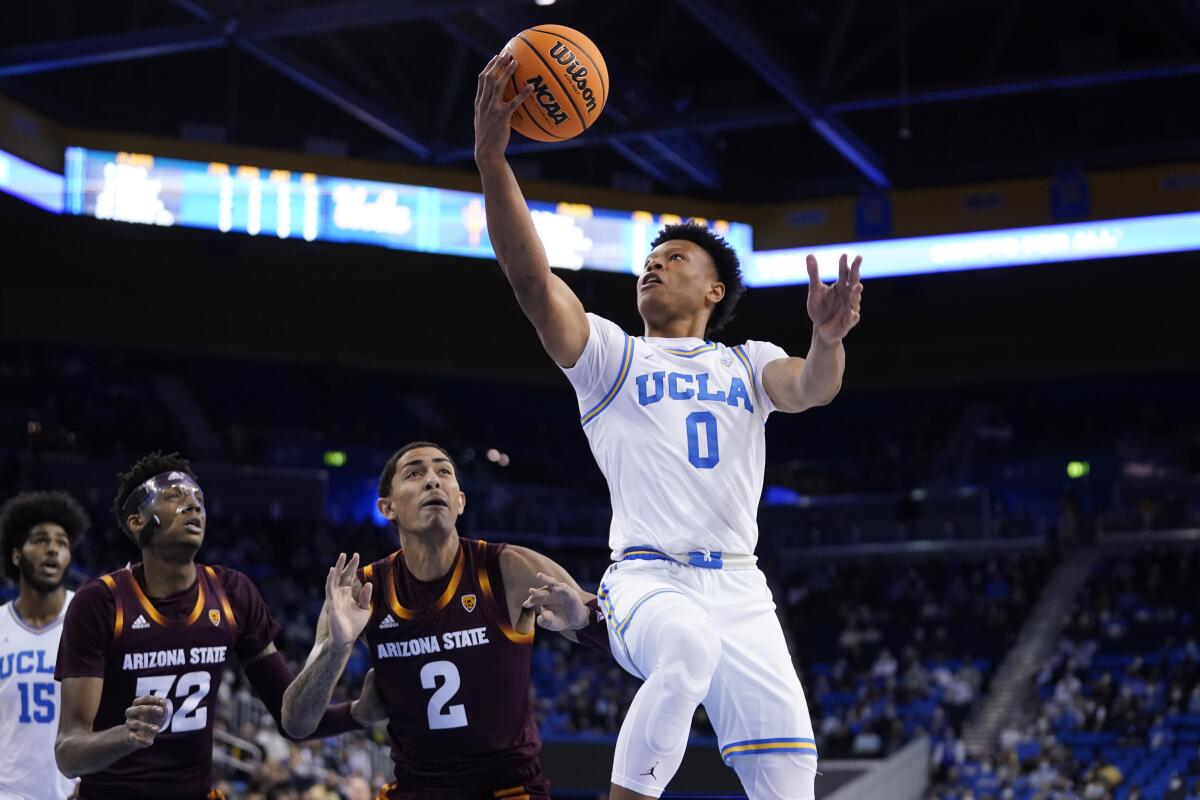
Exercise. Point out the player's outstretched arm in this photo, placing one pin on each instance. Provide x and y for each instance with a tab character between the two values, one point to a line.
547	301
79	750
796	384
544	588
347	611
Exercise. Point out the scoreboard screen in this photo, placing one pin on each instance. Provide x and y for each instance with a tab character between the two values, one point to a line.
135	187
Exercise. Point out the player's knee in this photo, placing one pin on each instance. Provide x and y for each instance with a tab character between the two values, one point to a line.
694	644
778	776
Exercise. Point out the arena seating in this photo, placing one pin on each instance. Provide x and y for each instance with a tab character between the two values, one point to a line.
1118	711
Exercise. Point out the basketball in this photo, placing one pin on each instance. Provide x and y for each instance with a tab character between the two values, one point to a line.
569	78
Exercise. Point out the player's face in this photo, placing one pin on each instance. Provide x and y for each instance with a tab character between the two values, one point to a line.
425	494
679	279
45	557
182	517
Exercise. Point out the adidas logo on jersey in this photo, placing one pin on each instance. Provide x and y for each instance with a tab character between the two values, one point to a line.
140	623
388	622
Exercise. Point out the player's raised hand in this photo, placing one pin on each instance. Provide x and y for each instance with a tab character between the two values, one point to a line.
558	606
144	719
493	114
834	308
347	614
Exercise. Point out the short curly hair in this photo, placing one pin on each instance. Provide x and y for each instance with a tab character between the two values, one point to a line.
145	469
24	512
729	268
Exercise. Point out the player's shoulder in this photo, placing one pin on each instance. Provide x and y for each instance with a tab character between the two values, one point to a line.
100	588
96	597
603	326
519	565
368	572
231	579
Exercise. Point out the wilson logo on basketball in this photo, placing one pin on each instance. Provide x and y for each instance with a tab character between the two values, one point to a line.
214	616
468	601
575	71
546	99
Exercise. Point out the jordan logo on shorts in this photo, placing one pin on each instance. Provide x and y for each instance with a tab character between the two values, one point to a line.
650	771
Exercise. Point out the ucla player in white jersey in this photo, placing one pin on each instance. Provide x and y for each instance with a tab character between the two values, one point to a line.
37	530
676	423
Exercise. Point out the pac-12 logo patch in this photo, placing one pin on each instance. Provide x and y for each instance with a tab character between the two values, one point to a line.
468	601
214	616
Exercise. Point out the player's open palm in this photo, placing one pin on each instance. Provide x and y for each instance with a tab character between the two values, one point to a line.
493	114
348	610
144	719
834	308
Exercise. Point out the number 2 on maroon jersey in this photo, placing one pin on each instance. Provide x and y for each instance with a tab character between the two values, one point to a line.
440	717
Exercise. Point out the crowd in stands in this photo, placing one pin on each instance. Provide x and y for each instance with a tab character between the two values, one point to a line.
889	650
1117	712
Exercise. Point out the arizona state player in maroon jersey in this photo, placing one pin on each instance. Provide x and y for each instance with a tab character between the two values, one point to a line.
144	649
449	625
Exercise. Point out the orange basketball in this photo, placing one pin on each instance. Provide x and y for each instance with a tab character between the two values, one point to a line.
569	78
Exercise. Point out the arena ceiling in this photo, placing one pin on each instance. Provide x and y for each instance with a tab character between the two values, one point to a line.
733	99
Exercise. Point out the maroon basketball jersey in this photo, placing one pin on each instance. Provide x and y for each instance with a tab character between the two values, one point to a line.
455	677
177	649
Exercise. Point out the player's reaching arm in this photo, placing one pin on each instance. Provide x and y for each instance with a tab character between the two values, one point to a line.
538	585
547	301
79	750
795	384
346	613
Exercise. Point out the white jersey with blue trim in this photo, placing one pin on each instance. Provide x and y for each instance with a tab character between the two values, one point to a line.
29	708
677	426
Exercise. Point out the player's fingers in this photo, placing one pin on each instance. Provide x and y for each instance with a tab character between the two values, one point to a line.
548	620
856	271
364	596
141	726
520	98
814	274
347	576
856	297
483	73
150	715
330	583
843	270
152	700
536	598
549	580
483	92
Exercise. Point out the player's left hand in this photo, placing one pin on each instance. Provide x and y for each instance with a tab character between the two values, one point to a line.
347	614
835	308
557	605
369	708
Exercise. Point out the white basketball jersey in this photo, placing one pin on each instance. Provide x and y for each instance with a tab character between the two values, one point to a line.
29	708
678	429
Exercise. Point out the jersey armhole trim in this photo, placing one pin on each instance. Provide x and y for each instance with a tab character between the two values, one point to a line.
222	596
119	619
501	612
622	374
